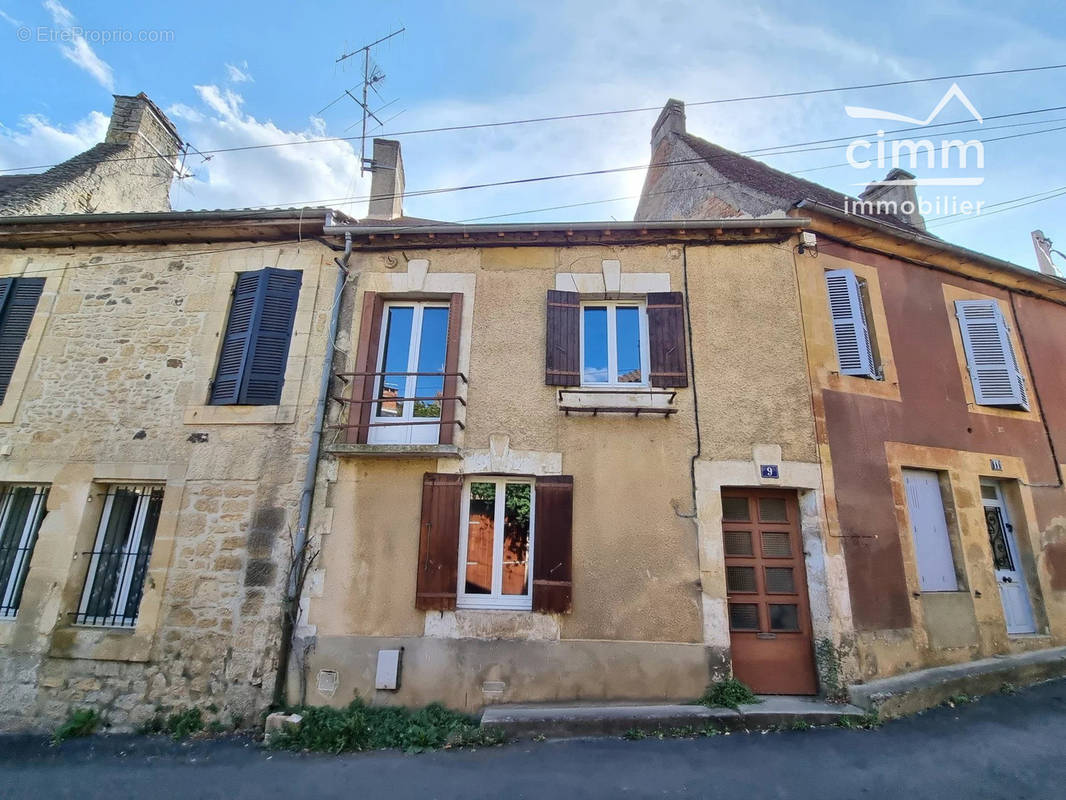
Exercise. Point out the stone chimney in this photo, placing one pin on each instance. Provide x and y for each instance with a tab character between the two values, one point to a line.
386	185
671	120
898	199
136	120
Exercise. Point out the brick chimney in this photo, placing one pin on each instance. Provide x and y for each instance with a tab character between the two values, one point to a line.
899	199
387	183
671	120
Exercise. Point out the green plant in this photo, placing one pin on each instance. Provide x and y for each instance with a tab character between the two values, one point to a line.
866	722
182	724
729	693
830	662
959	700
1008	688
799	725
80	722
361	727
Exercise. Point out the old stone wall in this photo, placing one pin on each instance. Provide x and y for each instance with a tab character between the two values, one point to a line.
111	386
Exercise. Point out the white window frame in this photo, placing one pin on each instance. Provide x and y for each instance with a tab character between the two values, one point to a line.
29	530
404	434
612	381
496	600
133	544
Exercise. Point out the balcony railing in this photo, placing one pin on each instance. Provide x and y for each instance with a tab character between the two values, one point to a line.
361	408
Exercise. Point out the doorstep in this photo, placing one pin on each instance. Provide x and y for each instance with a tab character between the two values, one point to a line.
916	691
561	721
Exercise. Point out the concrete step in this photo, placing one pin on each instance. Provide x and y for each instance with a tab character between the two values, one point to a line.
922	689
585	719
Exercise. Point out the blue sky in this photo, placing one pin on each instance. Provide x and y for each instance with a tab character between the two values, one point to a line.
239	73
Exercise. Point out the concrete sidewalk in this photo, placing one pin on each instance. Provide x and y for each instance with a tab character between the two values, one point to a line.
572	720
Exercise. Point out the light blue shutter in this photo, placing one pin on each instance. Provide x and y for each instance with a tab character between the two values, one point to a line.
997	379
854	350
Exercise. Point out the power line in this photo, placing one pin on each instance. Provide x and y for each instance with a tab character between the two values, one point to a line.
1013	204
591	114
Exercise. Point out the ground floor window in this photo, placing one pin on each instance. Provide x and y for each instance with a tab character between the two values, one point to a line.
496	544
21	512
120	554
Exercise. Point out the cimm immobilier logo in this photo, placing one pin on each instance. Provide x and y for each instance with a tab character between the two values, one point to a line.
946	154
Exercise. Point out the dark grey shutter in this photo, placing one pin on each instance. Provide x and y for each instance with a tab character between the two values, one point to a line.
18	299
255	347
553	545
562	363
666	340
268	350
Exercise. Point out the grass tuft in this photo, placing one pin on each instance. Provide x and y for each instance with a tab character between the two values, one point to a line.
80	722
729	693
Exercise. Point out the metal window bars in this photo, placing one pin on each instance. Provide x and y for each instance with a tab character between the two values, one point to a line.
381	399
119	559
21	510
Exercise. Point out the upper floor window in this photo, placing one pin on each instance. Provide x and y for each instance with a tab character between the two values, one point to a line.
18	302
255	347
848	303
119	558
633	343
406	387
21	511
994	371
614	344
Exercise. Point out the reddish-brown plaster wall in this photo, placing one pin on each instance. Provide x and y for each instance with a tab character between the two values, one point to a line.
932	412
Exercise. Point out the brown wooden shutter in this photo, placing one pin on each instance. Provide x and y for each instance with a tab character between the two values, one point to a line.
562	365
666	339
449	408
366	360
552	544
438	542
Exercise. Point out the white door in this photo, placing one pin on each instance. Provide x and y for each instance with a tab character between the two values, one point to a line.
414	344
1017	609
932	545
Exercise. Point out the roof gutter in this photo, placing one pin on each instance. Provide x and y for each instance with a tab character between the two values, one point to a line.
931	242
733	223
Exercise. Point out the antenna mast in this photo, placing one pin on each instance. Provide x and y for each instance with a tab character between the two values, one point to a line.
371	76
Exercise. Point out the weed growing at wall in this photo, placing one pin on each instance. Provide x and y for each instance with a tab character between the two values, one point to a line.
729	693
361	727
830	662
81	722
680	732
185	722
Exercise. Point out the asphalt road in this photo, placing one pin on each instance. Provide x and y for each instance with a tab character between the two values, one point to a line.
1009	746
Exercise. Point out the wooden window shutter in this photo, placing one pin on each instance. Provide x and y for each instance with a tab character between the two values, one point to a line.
366	360
994	372
255	347
438	542
552	544
268	351
449	408
666	339
18	303
855	353
562	363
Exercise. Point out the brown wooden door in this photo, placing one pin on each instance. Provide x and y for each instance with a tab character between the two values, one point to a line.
766	584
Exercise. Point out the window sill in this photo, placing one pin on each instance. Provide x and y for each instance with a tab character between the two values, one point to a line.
617	401
240	415
394	450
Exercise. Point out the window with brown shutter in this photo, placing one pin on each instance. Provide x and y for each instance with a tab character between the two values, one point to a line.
562	362
438	542
666	338
366	359
552	544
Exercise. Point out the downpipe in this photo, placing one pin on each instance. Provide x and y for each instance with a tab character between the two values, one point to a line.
299	548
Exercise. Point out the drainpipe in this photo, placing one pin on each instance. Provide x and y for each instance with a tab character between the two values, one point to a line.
293	586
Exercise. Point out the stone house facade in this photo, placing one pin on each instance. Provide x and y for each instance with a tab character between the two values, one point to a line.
146	515
131	170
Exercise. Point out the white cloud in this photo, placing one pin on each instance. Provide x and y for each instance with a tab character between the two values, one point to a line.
77	50
9	19
238	74
35	141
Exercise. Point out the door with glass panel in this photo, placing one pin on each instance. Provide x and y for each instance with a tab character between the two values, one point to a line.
771	643
1006	559
409	388
496	544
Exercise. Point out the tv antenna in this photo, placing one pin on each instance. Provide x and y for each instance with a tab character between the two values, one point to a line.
372	75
